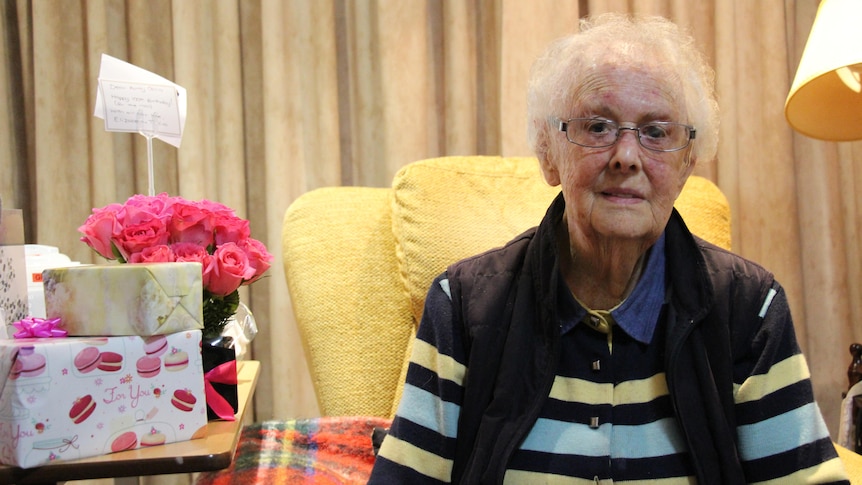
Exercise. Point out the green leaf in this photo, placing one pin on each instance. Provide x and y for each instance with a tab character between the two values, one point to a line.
217	311
117	253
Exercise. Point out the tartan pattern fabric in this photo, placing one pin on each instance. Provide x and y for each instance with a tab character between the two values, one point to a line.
320	450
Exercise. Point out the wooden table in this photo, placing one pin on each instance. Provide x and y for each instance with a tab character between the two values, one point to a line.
211	453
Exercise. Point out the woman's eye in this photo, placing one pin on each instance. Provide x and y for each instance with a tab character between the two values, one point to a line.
598	127
653	131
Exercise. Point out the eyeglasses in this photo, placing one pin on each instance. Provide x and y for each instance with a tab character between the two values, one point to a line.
658	136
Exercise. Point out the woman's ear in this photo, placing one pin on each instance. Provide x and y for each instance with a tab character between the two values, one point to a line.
547	159
687	170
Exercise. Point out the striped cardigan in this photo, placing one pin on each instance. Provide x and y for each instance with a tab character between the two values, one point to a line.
486	375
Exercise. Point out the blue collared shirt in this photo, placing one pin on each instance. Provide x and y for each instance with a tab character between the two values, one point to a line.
638	314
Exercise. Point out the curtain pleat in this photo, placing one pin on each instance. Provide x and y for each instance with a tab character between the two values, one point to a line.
288	96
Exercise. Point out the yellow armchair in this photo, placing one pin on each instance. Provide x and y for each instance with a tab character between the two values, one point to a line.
852	463
359	260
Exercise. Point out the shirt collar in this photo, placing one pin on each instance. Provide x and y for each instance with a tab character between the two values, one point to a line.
638	314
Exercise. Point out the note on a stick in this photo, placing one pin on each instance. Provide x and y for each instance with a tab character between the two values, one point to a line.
131	99
145	108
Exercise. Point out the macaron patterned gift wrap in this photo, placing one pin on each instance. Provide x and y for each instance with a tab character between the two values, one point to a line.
68	398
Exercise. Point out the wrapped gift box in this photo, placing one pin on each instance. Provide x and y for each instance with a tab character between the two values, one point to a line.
68	398
125	299
13	273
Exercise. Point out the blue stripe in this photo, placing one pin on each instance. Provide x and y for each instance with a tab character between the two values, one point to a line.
767	302
781	433
429	411
659	438
444	284
562	438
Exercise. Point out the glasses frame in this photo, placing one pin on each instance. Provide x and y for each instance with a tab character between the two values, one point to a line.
563	126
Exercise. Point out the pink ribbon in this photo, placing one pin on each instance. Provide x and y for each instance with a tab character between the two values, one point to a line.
32	327
221	374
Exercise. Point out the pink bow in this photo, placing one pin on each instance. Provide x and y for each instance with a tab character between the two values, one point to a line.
32	327
221	374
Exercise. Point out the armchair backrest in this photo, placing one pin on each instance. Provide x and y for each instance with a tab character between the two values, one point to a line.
358	261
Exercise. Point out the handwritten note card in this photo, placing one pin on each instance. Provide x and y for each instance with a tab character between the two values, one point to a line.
146	108
132	99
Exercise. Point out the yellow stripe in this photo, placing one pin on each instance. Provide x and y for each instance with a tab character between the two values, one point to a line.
570	389
517	477
578	390
826	472
444	366
661	481
422	461
641	390
782	374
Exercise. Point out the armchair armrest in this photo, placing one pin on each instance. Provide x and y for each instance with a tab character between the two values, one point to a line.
852	463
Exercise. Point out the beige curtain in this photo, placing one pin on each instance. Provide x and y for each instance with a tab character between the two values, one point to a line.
289	95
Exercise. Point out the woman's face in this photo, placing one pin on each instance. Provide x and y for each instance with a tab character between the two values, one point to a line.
623	191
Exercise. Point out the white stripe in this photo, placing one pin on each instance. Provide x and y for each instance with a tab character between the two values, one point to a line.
767	302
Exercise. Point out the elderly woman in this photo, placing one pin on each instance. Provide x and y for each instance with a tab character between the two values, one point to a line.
609	343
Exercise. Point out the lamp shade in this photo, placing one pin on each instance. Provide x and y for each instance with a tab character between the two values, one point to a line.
825	100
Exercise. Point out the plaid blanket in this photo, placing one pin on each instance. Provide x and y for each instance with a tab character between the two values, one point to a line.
320	450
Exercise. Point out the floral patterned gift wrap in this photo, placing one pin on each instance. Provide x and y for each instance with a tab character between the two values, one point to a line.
68	398
132	299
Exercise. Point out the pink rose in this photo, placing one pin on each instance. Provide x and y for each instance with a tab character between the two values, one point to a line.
193	253
99	229
227	269
136	237
191	222
132	215
158	205
153	254
216	208
230	229
186	251
258	257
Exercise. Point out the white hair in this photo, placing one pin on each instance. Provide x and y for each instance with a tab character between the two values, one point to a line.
559	73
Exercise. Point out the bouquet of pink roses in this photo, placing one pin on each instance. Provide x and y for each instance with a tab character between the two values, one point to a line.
150	229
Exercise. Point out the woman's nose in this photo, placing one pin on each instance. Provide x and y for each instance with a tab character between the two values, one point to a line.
626	153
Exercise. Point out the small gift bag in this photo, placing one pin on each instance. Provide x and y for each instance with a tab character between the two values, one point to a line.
220	381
